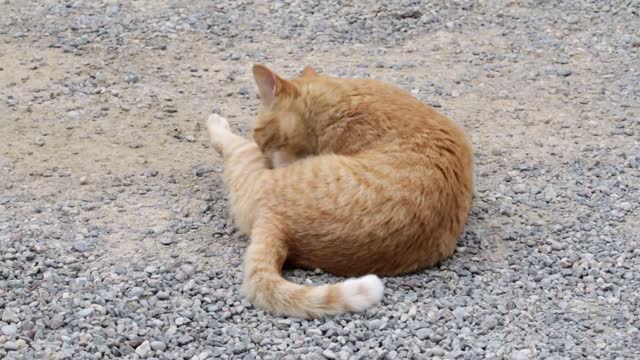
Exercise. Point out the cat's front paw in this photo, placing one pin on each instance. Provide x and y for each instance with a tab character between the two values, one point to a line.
217	123
219	130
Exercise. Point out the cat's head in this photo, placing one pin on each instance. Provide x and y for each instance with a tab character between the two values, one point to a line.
285	111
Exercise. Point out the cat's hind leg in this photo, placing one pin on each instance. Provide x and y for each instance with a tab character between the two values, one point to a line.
244	169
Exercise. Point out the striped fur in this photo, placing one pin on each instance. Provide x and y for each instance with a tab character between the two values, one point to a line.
354	177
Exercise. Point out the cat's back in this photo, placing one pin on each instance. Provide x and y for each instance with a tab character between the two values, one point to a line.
390	193
391	149
393	121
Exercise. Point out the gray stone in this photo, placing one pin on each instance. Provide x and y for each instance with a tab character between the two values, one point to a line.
519	189
56	322
158	345
9	316
11	346
131	78
328	354
423	333
135	291
436	351
9	330
564	71
375	324
144	350
313	332
74	115
184	339
524	354
239	348
80	246
460	314
86	312
624	206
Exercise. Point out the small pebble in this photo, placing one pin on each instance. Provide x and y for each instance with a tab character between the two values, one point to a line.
328	354
524	354
9	330
11	346
143	349
85	312
74	115
131	77
80	246
158	345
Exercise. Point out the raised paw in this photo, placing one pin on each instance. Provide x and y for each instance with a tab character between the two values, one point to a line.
217	124
219	131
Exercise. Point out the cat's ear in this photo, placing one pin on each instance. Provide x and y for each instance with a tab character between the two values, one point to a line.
308	71
271	85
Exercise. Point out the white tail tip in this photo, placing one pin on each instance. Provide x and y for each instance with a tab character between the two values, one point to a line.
361	293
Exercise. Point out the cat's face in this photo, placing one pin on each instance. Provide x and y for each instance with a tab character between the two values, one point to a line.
281	129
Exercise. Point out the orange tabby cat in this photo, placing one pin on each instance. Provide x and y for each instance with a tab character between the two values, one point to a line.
375	182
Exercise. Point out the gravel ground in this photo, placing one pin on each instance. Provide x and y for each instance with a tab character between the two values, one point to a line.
116	241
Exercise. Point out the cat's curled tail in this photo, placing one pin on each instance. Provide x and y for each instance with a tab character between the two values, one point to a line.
265	287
